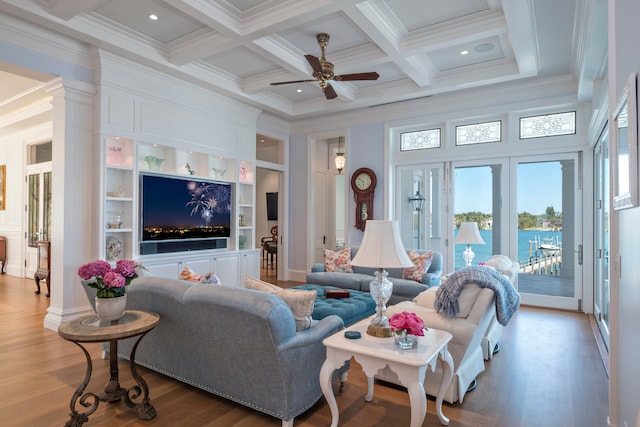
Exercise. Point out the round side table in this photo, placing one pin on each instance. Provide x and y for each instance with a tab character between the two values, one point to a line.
91	329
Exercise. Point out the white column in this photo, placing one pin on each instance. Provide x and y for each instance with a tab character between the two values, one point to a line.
74	197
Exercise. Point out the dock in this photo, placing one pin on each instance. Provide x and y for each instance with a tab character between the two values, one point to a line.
540	262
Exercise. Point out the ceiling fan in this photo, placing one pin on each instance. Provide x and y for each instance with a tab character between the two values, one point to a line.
323	71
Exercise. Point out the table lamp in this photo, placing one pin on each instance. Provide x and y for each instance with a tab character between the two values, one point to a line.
381	248
469	234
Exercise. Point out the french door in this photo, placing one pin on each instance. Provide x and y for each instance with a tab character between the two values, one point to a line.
528	208
546	230
37	211
601	220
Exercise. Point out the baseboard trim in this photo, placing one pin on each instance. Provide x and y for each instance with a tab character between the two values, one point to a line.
602	348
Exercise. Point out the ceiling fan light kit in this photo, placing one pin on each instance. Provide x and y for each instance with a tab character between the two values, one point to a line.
323	71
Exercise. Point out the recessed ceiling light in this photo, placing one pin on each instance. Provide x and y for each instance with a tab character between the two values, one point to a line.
464	52
484	47
299	90
153	17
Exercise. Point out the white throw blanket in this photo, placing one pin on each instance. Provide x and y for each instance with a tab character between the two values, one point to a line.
507	298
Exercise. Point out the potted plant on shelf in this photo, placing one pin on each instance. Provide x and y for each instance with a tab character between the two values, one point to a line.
404	325
110	285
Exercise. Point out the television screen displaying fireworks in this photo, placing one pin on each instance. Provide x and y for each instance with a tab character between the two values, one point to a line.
175	208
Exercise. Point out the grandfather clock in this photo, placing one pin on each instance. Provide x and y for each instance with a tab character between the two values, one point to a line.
363	183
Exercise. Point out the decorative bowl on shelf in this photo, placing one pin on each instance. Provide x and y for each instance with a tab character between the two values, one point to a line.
153	162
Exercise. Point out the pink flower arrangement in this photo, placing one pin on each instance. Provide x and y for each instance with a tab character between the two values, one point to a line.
407	322
109	281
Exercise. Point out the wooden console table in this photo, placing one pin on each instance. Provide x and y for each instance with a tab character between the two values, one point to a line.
91	329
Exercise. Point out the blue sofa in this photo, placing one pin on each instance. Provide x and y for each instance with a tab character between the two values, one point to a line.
237	343
403	289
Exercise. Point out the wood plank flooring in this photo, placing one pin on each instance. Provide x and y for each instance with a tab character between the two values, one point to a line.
547	373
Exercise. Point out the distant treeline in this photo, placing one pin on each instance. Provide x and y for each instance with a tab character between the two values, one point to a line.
525	219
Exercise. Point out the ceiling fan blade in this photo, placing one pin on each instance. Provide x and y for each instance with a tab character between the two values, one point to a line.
357	76
292	81
315	63
330	92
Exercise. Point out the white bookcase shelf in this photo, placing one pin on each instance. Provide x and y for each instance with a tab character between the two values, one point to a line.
124	159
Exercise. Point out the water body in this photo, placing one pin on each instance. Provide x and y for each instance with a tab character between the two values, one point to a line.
483	252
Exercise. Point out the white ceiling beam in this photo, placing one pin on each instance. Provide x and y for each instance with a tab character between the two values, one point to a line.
285	54
590	46
522	34
454	32
199	45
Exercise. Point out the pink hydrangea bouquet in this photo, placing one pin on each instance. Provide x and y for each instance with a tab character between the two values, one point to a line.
109	281
408	323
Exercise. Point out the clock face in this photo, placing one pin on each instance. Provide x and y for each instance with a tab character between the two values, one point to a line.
363	181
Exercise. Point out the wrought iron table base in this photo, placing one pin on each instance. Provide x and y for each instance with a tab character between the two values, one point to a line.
113	392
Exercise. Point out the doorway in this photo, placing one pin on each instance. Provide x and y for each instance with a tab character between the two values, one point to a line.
38	206
270	216
330	192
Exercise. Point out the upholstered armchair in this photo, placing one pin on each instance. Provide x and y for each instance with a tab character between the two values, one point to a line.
477	311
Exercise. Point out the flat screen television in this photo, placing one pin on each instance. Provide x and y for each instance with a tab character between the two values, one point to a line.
183	213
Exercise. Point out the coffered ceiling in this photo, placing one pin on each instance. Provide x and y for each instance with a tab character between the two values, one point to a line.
419	48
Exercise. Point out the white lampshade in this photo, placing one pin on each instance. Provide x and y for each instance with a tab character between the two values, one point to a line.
381	246
469	234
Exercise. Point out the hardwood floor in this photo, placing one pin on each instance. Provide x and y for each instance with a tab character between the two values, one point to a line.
547	373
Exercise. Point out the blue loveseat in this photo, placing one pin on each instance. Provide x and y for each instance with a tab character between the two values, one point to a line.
237	343
360	279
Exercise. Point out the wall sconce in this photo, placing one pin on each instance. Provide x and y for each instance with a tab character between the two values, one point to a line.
340	160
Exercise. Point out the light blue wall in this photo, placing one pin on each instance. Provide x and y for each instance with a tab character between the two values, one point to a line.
365	150
298	194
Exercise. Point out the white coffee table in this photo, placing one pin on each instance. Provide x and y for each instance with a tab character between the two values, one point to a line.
375	353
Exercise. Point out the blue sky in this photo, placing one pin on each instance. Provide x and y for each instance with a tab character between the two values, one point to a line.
539	186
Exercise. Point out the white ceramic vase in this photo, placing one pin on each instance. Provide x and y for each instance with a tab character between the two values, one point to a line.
111	308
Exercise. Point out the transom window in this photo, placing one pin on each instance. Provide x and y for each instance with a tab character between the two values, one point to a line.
420	140
548	125
479	133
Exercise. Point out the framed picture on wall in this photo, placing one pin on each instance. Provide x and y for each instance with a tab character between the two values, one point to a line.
272	206
624	137
3	186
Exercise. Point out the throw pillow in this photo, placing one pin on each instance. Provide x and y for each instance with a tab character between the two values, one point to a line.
421	264
189	275
339	261
499	262
427	298
299	301
210	279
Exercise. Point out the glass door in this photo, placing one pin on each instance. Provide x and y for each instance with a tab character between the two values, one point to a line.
601	218
420	207
549	247
38	212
